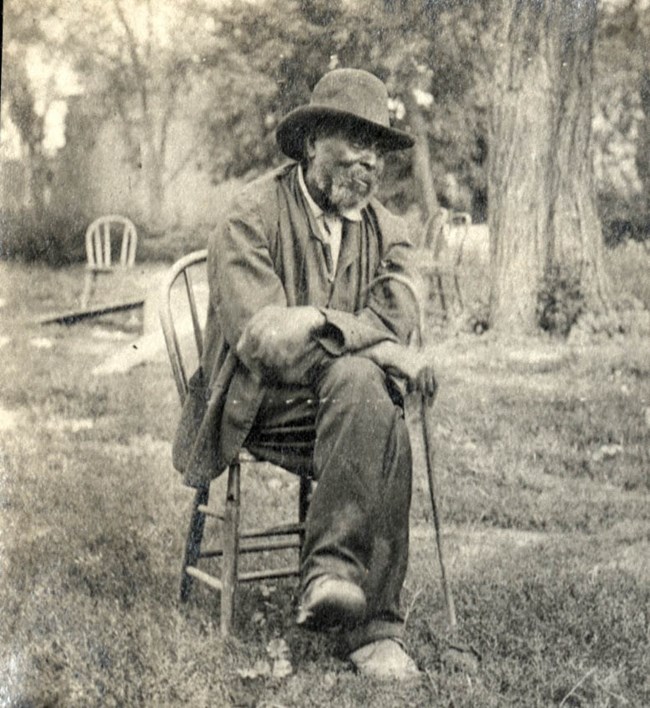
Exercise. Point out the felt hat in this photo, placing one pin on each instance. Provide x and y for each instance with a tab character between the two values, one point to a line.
343	96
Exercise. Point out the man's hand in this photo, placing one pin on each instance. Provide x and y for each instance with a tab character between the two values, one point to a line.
417	369
279	338
404	362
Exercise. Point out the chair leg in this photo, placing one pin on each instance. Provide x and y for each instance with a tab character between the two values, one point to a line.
230	547
459	293
303	504
89	285
193	542
441	293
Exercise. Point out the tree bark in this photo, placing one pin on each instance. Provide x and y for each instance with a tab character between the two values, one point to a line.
542	209
422	173
643	145
154	175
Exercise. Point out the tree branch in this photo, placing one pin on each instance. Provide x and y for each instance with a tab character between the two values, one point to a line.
138	69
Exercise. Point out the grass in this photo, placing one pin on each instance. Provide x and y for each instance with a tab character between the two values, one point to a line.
628	269
544	465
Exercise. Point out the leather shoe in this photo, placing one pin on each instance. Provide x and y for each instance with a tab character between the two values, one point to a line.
385	659
330	601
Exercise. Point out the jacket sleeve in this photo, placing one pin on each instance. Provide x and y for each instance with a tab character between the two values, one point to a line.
240	269
391	310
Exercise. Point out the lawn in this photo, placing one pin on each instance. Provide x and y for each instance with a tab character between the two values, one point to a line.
543	459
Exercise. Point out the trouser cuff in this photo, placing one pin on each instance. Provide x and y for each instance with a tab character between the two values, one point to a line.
331	566
373	631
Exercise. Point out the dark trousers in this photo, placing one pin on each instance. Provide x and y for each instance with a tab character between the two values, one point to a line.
348	427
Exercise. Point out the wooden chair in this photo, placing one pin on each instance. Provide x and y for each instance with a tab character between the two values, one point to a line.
438	234
234	541
281	537
99	245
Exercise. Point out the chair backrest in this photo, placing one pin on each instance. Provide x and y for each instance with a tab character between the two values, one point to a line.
181	272
459	223
98	241
417	334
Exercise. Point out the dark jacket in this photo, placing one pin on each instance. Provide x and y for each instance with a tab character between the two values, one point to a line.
267	250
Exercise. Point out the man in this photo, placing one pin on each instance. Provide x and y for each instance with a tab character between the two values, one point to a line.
305	351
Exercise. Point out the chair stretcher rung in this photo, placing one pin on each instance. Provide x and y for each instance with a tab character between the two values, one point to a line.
204	577
209	512
253	548
284	530
268	574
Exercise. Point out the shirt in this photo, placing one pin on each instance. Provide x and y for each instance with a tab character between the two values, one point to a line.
330	225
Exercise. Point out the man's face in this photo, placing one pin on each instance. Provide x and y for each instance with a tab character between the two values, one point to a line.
343	169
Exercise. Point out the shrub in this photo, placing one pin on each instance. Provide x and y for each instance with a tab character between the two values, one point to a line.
560	300
59	240
623	220
52	238
173	244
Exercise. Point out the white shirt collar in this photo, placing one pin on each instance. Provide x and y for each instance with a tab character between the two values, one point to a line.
349	214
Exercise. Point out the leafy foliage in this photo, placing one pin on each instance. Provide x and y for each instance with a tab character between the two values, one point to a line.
270	55
232	69
622	120
136	61
50	237
560	300
23	30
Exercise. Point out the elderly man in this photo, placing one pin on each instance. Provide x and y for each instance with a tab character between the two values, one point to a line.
305	355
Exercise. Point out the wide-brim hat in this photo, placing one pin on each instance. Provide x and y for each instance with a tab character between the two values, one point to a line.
343	96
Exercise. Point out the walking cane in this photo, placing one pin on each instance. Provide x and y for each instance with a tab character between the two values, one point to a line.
428	452
427	435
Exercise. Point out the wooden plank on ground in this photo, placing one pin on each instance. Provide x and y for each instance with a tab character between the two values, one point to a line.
73	316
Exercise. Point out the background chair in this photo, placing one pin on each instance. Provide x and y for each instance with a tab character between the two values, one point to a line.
99	249
441	256
234	541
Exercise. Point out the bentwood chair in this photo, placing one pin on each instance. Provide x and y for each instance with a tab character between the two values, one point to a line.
234	540
99	244
448	234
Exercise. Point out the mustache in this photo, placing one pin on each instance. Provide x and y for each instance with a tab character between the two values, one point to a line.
363	177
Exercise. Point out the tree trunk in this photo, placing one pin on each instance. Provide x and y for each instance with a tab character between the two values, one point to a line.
154	163
156	196
542	209
422	172
36	181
